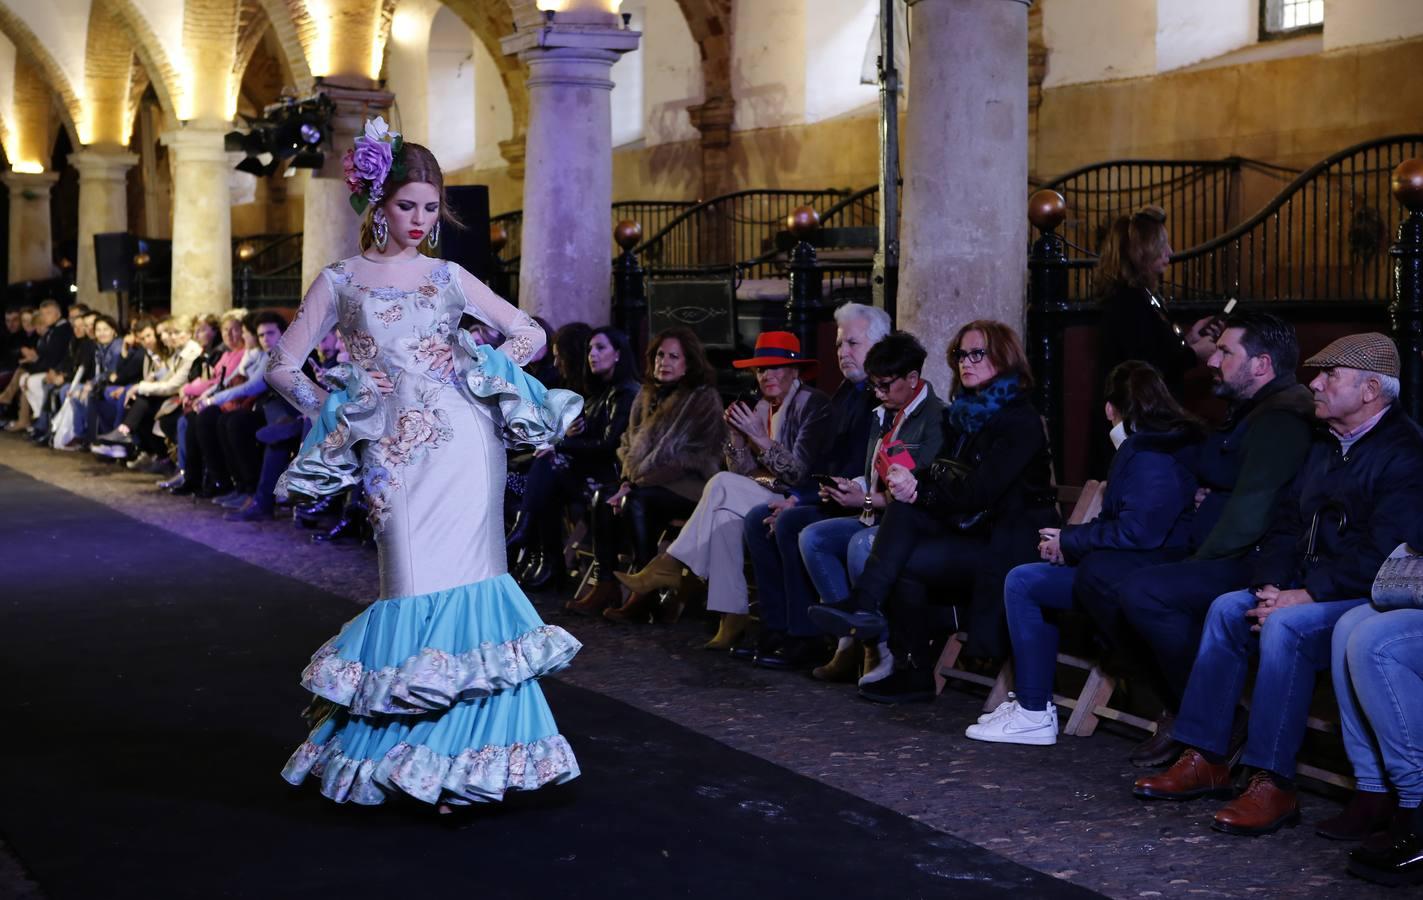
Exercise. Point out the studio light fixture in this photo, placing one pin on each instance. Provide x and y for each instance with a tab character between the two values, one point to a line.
291	130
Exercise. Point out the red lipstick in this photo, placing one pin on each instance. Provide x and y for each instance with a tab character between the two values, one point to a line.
415	233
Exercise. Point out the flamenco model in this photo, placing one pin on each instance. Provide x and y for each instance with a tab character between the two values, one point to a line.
432	691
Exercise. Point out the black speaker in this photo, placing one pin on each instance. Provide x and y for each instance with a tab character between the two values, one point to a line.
468	246
113	261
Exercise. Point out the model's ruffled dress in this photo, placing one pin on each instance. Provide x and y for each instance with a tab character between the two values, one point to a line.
432	690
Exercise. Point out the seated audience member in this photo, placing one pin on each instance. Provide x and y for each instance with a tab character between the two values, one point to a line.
909	420
1145	517
773	529
1377	669
138	359
960	524
1355	498
1241	468
106	353
567	356
772	447
583	462
672	445
570	356
56	383
53	336
11	340
198	428
542	365
135	432
230	444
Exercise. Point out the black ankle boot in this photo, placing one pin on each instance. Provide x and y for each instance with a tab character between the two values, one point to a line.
348	527
546	571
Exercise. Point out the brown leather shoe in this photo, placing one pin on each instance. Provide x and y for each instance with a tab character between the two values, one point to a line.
1160	748
1367	813
604	594
637	610
1191	776
1263	808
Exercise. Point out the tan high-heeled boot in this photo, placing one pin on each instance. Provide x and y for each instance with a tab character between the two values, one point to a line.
731	627
663	572
843	666
604	594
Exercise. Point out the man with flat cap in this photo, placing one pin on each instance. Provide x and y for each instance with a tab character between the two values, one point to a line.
1352	502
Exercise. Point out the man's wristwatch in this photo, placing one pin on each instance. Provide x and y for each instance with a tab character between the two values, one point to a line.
869	502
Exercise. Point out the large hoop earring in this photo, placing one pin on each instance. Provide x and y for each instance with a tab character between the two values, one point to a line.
380	230
435	235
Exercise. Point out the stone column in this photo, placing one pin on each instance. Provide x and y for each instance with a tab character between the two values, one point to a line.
31	246
568	180
103	208
963	243
202	219
330	227
713	119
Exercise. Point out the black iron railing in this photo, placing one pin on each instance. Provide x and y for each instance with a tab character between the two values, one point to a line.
653	215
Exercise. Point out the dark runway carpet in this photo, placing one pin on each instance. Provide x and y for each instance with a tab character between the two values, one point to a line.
150	700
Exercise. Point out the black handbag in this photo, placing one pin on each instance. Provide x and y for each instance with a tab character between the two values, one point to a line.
946	472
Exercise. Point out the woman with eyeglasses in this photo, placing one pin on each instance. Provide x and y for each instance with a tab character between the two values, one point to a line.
957	526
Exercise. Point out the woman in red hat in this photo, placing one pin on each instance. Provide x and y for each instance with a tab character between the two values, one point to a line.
773	446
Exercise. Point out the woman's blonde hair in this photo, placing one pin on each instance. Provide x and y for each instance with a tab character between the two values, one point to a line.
420	167
235	314
1132	244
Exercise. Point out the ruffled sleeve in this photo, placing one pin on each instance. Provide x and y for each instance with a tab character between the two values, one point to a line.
351	416
314	319
523	336
532	415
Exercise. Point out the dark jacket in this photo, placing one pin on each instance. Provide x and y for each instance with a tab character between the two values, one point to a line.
1247	463
52	348
674	439
1147	504
594	450
1011	481
852	415
130	366
106	360
1135	328
1365	504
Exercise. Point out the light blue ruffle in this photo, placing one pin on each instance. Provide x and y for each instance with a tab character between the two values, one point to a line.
533	415
435	695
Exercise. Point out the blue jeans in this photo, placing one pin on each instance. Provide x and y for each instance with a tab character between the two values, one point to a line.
782	586
1027	591
1378	678
858	553
825	548
1293	646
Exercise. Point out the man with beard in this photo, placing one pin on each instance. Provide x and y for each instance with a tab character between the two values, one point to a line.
1241	468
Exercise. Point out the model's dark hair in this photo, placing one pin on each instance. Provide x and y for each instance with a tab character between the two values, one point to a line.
1132	244
570	344
1266	334
699	369
1144	402
420	167
895	355
625	369
1005	351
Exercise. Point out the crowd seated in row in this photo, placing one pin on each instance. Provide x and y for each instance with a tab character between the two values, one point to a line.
881	519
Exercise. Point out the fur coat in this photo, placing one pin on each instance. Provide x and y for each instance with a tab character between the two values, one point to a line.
674	440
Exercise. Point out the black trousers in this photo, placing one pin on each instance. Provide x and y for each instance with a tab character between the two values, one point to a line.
240	447
209	460
139	419
646	512
915	565
1167	605
547	491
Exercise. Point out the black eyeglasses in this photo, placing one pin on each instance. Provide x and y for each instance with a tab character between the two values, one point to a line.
882	385
976	355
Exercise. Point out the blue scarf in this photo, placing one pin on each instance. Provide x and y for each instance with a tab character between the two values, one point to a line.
972	409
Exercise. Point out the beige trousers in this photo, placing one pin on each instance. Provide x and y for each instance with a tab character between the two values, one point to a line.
711	543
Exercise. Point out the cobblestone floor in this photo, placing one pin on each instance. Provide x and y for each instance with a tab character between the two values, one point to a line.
1065	810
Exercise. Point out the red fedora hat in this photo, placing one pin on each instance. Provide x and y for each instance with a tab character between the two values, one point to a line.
775	348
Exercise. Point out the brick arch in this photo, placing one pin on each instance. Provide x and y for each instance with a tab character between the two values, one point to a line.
283	22
164	75
108	75
490	21
710	24
26	43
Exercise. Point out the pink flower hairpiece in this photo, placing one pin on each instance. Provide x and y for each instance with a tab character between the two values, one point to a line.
369	164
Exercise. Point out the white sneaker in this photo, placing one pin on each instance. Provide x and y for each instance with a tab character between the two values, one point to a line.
883	670
1003	708
1018	726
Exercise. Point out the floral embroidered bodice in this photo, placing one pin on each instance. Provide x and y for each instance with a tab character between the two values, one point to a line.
398	320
